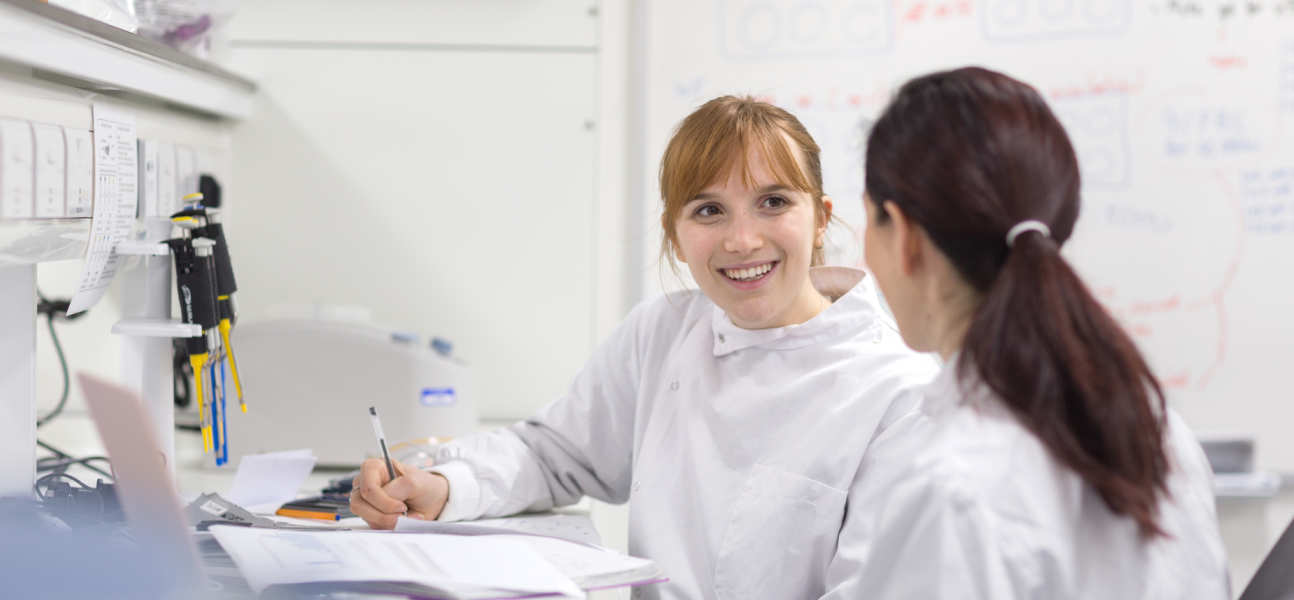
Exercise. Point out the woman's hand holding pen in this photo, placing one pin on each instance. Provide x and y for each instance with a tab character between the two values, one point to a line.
380	501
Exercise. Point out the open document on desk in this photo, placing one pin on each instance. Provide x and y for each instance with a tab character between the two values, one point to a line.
553	554
440	566
568	542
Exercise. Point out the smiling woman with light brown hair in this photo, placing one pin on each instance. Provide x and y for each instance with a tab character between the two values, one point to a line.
734	417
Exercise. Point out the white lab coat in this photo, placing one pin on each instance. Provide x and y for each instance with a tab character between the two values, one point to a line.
961	501
737	447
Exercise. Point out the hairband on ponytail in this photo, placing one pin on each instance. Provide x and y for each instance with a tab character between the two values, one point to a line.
1024	227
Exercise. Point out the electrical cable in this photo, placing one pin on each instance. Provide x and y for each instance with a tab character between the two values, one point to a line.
63	455
62	361
64	476
50	308
52	463
77	503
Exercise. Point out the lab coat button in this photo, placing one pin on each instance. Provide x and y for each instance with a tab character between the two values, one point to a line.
637	486
721	338
673	386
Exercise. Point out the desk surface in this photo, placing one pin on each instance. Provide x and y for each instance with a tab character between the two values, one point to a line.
74	433
1250	527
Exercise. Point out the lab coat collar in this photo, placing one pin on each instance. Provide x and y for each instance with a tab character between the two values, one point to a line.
854	306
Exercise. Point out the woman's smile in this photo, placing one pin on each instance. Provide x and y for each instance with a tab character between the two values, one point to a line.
749	276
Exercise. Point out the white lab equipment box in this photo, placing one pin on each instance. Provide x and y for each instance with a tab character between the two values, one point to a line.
308	383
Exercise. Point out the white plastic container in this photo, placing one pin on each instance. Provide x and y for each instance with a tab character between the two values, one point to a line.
309	382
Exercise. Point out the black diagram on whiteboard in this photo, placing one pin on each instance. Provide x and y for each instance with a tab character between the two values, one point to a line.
1026	20
760	29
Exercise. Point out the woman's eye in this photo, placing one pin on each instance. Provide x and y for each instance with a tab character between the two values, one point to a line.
776	202
707	210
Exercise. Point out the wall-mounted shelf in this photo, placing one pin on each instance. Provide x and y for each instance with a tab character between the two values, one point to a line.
92	55
138	248
156	328
32	241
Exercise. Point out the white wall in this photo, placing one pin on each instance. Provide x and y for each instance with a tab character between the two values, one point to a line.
441	163
460	169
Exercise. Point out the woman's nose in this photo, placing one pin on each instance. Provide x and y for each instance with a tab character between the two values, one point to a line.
743	235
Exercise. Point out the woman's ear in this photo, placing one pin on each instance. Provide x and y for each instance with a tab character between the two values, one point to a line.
819	238
907	238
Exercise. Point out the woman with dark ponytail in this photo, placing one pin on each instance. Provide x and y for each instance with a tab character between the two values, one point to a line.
1043	462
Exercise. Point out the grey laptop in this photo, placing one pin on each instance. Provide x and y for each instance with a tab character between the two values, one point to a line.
1275	577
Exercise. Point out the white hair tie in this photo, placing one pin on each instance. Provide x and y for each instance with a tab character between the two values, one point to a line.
1024	226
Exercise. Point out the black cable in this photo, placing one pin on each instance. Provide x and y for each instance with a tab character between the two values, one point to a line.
56	451
62	454
78	504
46	461
62	361
60	464
51	308
57	476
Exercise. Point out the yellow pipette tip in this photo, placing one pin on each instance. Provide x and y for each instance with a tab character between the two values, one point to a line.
198	361
225	327
197	387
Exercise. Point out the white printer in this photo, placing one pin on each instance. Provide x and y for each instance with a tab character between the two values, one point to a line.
308	382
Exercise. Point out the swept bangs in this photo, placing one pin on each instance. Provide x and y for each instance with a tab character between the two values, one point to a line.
723	137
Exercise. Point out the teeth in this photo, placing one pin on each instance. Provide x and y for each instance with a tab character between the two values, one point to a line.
748	274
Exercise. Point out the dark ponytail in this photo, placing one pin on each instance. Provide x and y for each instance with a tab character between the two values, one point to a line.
968	154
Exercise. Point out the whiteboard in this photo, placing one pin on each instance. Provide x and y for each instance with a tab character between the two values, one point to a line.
1182	113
